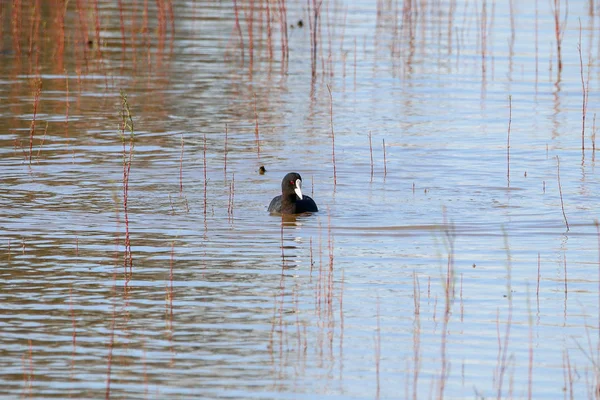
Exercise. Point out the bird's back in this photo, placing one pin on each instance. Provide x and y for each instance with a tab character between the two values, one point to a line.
275	205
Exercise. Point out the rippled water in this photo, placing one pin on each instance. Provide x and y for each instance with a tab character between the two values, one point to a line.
443	269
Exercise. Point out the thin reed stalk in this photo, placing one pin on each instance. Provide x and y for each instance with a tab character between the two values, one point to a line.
536	43
37	84
483	33
122	26
594	135
231	197
450	238
269	31
537	290
181	166
565	268
256	132
562	204
250	25
314	12
127	125
110	353
205	178
585	92
598	238
42	142
378	352
416	336
371	153
384	160
225	155
284	33
568	374
559	32
73	324
332	136
530	359
171	283
503	347
238	28
508	140
462	306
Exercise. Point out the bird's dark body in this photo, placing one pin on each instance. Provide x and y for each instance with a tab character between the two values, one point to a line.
307	204
291	200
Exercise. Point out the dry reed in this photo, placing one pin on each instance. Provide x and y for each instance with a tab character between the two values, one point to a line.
127	125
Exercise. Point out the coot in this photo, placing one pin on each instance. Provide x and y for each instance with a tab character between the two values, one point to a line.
291	200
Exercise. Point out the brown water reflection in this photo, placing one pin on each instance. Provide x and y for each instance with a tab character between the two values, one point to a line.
398	287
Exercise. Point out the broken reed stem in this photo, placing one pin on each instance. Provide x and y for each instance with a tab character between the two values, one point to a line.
584	92
127	125
508	140
562	204
36	100
332	135
371	153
